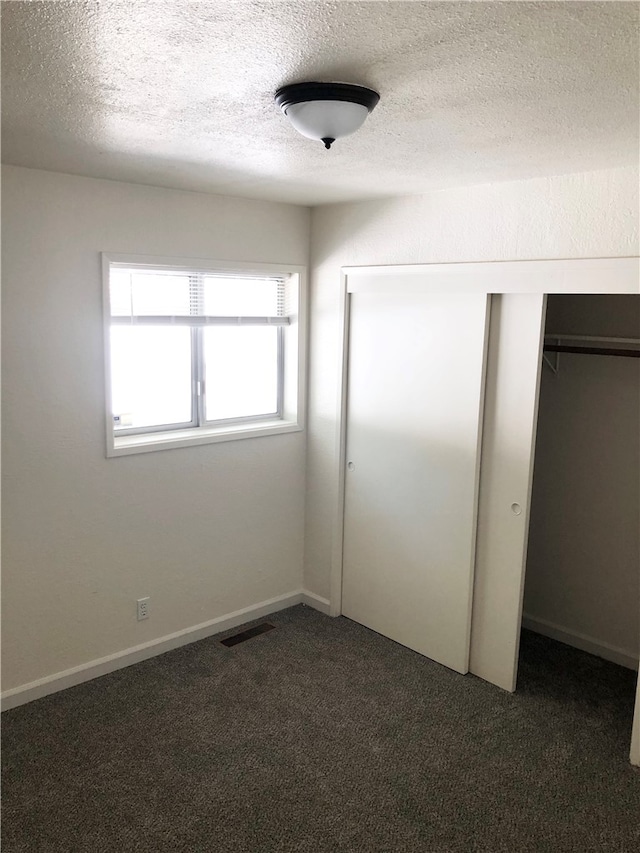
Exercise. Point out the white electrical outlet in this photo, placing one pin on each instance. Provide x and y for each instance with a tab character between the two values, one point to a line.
143	608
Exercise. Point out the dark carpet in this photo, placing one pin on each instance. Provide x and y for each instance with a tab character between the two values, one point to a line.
324	736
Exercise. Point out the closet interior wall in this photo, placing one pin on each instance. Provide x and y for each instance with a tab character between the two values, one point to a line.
583	567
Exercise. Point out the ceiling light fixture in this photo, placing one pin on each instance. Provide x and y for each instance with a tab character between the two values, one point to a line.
326	111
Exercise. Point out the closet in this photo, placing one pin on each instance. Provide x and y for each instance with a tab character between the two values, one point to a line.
582	583
434	523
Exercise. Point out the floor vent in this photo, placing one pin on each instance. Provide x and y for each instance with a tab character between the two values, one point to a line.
248	634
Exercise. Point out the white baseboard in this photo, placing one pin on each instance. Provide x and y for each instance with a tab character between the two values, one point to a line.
94	669
634	754
316	601
623	657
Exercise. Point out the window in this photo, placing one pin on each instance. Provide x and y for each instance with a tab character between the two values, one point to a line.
200	352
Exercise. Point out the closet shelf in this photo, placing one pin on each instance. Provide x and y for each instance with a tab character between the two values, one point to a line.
594	338
591	345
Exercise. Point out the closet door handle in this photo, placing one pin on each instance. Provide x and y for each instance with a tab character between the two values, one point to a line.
516	509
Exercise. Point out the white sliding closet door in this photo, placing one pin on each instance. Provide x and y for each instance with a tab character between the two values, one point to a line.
508	445
414	412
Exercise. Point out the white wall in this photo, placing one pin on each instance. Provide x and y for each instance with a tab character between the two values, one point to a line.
591	214
583	567
204	530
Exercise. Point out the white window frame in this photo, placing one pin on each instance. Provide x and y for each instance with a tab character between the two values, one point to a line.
291	405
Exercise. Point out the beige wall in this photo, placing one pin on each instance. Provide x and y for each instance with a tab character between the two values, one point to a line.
203	530
583	567
572	216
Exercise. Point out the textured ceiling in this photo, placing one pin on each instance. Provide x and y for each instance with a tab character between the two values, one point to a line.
180	94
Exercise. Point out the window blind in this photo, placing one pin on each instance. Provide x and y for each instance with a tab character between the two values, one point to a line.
188	298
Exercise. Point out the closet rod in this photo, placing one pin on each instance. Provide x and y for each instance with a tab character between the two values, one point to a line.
623	353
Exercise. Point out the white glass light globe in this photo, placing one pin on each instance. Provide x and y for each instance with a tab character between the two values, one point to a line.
326	119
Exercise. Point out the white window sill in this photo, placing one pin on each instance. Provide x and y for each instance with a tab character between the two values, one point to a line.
125	445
